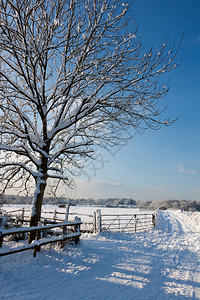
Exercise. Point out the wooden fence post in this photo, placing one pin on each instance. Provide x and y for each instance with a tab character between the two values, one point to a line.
44	231
98	220
77	226
94	222
135	223
35	250
67	211
77	229
54	215
66	216
22	215
153	220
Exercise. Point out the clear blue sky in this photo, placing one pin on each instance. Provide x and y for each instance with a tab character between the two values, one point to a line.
162	164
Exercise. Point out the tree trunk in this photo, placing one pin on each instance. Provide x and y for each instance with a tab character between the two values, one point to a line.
37	206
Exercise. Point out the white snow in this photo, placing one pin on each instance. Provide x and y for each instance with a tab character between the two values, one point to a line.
163	263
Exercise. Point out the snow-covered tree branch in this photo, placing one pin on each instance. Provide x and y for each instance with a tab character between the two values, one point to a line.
73	76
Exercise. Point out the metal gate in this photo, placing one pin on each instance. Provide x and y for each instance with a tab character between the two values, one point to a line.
127	222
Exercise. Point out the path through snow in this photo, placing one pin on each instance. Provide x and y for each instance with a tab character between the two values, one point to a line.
161	264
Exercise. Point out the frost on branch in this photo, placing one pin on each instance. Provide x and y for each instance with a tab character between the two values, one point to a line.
70	80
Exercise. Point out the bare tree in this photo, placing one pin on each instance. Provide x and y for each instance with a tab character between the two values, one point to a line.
73	76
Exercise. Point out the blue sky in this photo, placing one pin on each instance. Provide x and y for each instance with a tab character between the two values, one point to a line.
164	164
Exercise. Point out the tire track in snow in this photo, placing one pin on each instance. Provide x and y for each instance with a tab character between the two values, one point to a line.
180	236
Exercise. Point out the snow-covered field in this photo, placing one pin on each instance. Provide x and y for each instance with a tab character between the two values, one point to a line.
163	263
87	210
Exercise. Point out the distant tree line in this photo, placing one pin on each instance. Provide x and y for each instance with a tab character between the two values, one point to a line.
109	202
187	205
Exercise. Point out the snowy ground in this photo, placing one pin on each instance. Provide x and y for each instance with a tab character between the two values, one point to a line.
161	264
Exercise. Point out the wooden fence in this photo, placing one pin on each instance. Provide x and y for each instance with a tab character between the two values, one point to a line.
96	222
73	234
21	216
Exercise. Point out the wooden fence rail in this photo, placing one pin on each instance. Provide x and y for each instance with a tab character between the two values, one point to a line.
97	222
38	229
53	217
